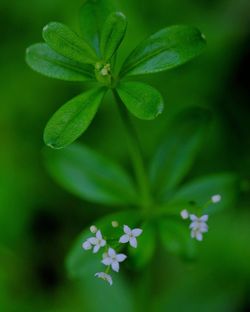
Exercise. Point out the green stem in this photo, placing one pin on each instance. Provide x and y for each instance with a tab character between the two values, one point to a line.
136	155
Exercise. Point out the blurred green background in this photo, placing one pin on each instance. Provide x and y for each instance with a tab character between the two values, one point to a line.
39	221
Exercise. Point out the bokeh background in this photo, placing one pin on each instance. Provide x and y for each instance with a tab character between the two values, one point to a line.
39	220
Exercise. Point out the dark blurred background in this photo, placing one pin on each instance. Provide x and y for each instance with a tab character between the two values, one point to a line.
39	220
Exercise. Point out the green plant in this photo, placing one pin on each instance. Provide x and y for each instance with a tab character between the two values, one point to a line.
157	191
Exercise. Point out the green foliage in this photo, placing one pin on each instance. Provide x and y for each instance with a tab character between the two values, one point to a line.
81	263
97	179
175	237
73	118
69	57
91	176
93	15
142	100
176	155
142	255
112	34
168	48
201	189
46	61
65	42
103	297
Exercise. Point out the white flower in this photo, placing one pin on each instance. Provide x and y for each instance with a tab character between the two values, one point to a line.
106	277
216	198
198	226
184	214
130	236
97	242
113	259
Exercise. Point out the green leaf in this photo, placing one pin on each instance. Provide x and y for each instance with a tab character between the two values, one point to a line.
98	296
67	43
175	237
73	118
82	263
176	155
91	176
168	48
142	100
112	35
144	252
41	58
201	189
93	15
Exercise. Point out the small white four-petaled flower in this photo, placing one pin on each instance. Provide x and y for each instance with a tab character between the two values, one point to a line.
106	277
96	241
113	259
198	226
130	236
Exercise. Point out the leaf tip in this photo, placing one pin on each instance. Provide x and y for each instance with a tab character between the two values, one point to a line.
120	14
54	145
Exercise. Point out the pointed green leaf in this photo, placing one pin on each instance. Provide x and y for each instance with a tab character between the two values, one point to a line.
201	189
176	155
73	118
168	48
91	176
67	43
142	100
81	263
93	14
112	34
41	58
175	237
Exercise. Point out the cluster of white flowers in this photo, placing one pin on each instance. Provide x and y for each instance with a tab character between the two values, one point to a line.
198	225
110	258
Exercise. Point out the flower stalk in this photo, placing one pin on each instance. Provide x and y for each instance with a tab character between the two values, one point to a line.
135	155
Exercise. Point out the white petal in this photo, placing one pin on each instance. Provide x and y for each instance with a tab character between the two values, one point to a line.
96	248
133	242
203	229
194	225
204	218
86	245
193	233
102	243
109	279
105	277
127	229
193	217
107	261
199	236
124	239
120	257
115	266
92	240
136	232
99	234
111	252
